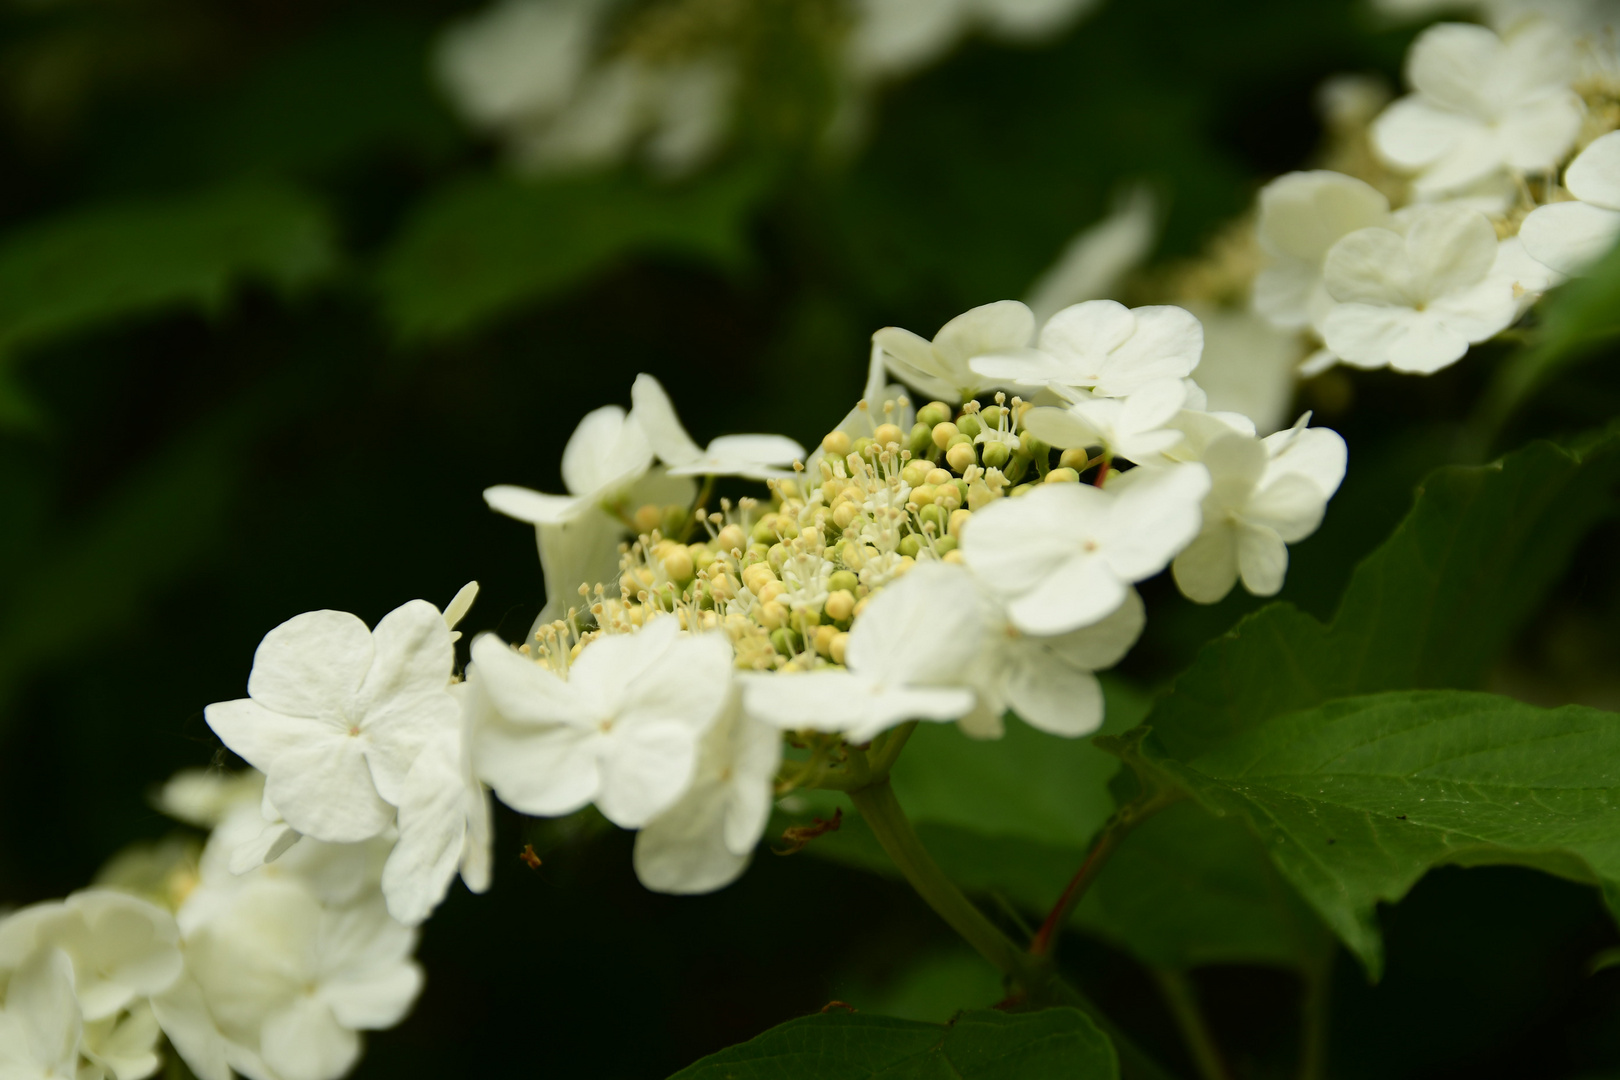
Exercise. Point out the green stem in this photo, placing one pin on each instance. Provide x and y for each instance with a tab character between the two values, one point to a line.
1033	977
1317	1009
1180	994
889	824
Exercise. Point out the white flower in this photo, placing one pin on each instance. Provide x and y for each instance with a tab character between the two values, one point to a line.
1416	302
1104	347
40	1024
1094	262
1063	555
1482	103
278	985
905	660
1263	496
621	730
1135	428
121	947
123	1047
518	60
944	368
703	842
759	457
605	456
444	819
1047	681
336	715
1571	236
1302	215
1249	365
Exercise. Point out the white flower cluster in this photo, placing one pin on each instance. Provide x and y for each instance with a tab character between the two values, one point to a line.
580	84
270	971
1480	224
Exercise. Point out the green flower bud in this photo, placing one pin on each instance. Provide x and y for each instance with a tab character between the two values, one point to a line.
944	545
785	641
1062	476
675	519
765	530
960	456
995	455
861	446
933	413
757	552
910	544
843	580
915	474
936	514
1074	458
1032	446
1016	466
920	439
777	556
990	416
969	425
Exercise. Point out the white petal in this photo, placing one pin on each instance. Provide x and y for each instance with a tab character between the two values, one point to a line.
1318	454
687	683
1282	292
40	1000
547	771
1033	367
1102	644
1594	176
683	850
1303	214
1451	248
1570	236
1538	133
1451	62
890	708
920	630
654	412
523	691
1373	336
1165	346
756	449
910	355
1480	312
1263	559
607	450
990	328
302	1041
324	788
1084	334
1079	591
258	735
1055	698
537	508
432	833
581	551
1062	428
1292	507
1153	518
1206	571
1369	266
645	768
1013	544
312	664
1413	134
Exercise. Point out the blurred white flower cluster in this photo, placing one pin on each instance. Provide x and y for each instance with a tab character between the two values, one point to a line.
582	84
1492	181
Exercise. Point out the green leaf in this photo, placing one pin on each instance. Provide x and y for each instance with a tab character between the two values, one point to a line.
1054	1044
1355	800
482	248
1432	607
1577	320
1245	912
114	261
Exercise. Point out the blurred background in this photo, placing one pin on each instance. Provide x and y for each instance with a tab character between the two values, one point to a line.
284	285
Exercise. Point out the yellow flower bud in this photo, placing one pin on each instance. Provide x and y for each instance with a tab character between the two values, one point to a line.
835	443
756	577
980	496
1062	476
958	521
953	557
1074	458
887	435
770	590
915	474
835	651
944	433
731	538
844	514
961	456
678	565
840	605
934	413
722	587
647	518
951	495
773	615
824	640
924	495
938	476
